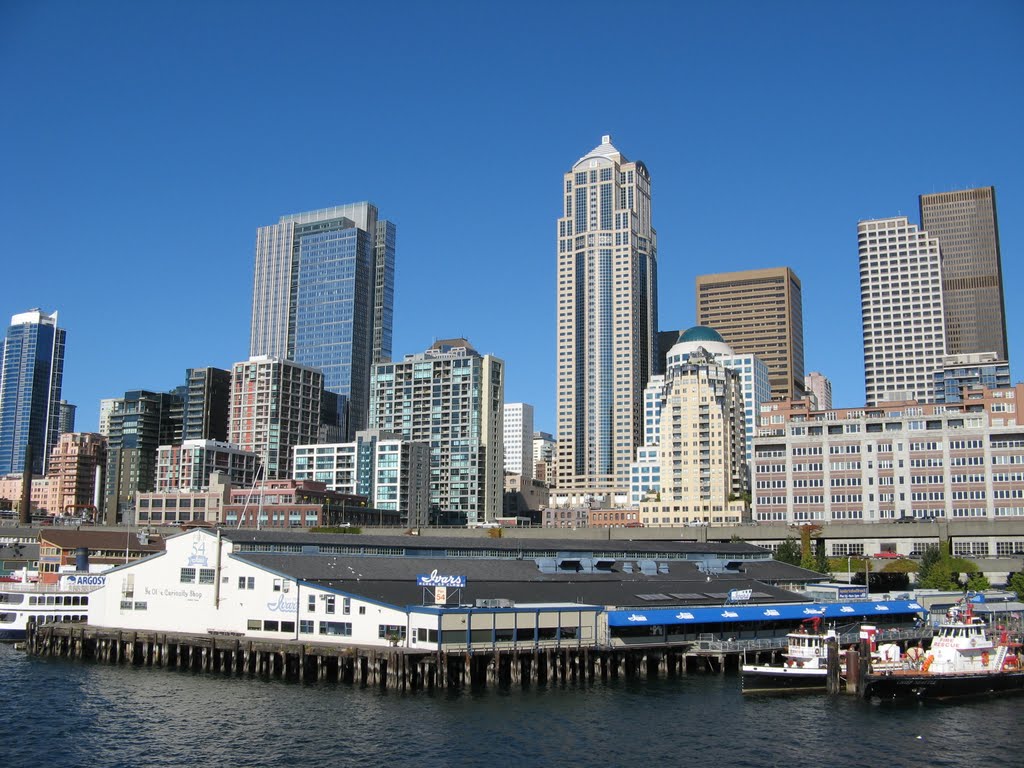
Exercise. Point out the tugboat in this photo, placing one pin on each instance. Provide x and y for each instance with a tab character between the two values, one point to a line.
962	661
805	668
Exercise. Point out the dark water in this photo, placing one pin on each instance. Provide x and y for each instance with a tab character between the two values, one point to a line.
61	713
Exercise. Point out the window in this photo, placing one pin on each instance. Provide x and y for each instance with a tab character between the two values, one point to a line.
306	626
287	626
329	605
206	575
390	630
311	604
269	625
341	628
346	605
188	575
246	582
254	624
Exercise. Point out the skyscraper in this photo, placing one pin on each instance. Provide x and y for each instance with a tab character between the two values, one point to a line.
30	385
972	275
518	439
607	323
901	310
759	312
449	397
819	385
207	404
323	296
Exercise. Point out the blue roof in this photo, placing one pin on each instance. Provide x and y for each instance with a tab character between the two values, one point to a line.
798	612
701	333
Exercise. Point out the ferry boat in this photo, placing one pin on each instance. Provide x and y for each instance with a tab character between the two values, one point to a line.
962	661
805	665
65	601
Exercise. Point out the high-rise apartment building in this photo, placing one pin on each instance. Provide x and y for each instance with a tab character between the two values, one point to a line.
390	473
207	404
544	458
901	310
518	439
820	387
759	312
607	323
275	405
31	376
188	466
76	468
965	225
323	296
449	397
138	424
981	370
695	439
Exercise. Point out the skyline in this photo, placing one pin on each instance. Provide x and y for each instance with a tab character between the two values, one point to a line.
768	137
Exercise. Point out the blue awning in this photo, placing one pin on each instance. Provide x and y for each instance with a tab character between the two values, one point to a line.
732	613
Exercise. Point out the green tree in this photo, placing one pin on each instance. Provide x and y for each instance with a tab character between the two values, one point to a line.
978	582
821	563
1016	584
789	552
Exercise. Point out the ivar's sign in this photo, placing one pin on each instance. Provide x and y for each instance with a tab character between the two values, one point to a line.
434	579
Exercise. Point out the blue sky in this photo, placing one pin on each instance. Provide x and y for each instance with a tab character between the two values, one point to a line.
144	143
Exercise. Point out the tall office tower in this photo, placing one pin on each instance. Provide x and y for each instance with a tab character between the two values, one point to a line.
696	441
275	405
138	424
819	385
544	458
974	371
391	473
323	296
207	404
901	310
607	323
67	417
76	467
972	274
30	383
518	439
449	397
759	312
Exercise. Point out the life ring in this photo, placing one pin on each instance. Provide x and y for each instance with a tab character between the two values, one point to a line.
974	641
984	658
927	663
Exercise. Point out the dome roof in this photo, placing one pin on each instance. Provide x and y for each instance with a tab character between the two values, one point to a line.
701	333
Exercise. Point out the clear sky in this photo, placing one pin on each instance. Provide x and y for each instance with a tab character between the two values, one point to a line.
144	143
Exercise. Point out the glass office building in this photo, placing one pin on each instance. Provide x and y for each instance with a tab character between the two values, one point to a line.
323	296
30	390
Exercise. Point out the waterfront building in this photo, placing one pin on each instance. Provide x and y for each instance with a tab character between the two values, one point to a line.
958	372
819	387
323	296
275	405
896	461
76	468
450	398
518	439
964	223
188	466
137	425
207	404
607	323
391	473
480	596
67	417
31	376
755	378
759	312
544	458
696	415
901	310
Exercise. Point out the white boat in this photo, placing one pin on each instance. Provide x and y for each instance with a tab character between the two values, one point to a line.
805	664
962	661
66	601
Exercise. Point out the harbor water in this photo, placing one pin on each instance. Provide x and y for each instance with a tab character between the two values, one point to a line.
70	713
